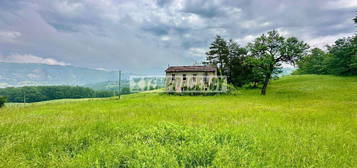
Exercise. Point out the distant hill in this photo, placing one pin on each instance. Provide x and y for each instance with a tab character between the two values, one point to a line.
16	74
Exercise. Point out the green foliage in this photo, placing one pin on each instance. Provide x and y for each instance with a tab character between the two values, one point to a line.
125	90
314	63
3	100
304	121
218	55
240	72
232	62
341	59
258	62
270	50
42	93
108	85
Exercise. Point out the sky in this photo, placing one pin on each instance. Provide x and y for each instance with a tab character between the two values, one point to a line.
149	35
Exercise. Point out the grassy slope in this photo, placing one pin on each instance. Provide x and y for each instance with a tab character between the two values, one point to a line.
304	121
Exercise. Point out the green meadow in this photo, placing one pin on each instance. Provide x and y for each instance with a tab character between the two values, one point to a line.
303	121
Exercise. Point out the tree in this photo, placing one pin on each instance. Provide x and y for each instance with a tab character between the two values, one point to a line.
240	72
3	100
42	93
314	63
269	51
343	59
355	19
218	55
125	90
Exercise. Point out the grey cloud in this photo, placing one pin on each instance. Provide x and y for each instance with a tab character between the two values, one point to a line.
147	35
164	29
163	3
158	30
11	4
205	8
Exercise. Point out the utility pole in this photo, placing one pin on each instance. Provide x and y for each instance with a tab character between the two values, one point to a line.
119	83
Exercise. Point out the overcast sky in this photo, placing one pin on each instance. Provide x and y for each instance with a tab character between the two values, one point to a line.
147	35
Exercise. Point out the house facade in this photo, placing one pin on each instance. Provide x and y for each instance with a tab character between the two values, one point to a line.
190	78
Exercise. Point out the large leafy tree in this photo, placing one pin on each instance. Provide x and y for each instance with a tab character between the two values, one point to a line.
343	57
218	55
230	58
314	63
240	72
270	50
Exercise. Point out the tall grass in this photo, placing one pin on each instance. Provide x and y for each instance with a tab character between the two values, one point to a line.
303	121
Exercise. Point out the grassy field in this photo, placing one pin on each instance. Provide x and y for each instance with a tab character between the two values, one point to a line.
303	121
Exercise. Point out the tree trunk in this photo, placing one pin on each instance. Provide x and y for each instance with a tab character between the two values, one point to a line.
265	85
221	68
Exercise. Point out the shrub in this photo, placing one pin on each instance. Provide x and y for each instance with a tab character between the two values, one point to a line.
3	99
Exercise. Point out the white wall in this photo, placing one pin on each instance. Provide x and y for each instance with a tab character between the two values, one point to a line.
189	82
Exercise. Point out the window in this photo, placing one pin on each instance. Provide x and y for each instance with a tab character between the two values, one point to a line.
205	78
194	77
184	77
173	77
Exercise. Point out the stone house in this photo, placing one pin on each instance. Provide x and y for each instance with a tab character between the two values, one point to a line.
189	78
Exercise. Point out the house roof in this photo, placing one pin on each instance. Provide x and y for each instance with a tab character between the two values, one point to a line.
191	69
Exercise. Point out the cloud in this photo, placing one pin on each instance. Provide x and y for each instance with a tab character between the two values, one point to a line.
198	52
9	36
246	39
146	35
341	4
27	58
321	42
205	8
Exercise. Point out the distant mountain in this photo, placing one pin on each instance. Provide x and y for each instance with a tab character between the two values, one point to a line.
15	74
